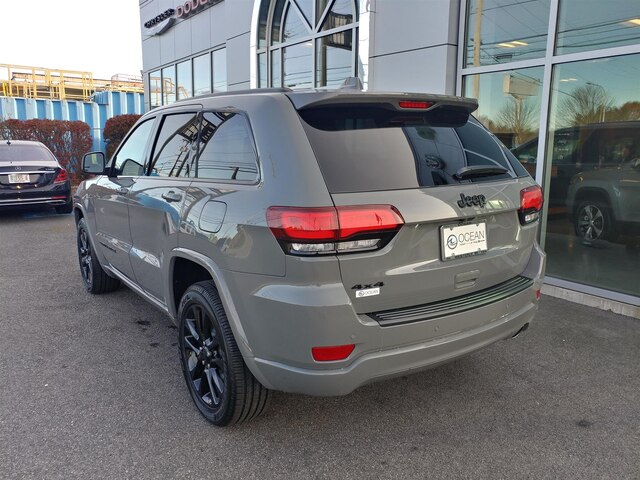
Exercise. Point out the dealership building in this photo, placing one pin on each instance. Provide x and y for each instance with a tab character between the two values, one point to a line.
556	81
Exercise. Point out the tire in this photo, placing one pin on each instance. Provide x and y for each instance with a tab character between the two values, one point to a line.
95	279
66	208
221	386
593	221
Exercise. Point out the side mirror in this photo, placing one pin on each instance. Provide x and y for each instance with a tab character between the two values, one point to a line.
93	163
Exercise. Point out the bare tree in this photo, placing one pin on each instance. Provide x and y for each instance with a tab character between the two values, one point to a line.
586	104
518	117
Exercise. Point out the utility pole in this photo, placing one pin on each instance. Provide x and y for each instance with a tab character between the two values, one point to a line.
476	47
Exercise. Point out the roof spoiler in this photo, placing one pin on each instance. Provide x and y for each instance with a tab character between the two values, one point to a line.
415	102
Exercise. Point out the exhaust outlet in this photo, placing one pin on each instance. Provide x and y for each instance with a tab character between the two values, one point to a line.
524	327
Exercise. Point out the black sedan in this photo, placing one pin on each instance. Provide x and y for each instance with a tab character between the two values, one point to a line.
31	175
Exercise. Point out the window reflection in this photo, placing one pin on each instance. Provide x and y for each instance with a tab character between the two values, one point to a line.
226	150
294	25
593	163
298	66
276	67
593	24
155	89
171	157
333	59
306	22
184	89
509	106
168	85
505	31
202	75
220	70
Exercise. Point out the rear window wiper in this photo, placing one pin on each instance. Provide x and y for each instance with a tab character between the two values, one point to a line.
474	171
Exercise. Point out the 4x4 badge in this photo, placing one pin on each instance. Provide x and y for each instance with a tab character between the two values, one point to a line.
467	201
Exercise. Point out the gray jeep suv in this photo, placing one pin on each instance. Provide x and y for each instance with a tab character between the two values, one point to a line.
314	242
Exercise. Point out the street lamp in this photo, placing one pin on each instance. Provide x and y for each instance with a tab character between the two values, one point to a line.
604	95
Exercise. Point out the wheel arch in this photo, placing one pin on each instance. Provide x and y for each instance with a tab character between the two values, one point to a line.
203	262
181	260
78	213
593	193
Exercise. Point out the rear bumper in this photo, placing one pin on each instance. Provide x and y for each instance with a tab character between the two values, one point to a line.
34	201
59	194
390	363
276	326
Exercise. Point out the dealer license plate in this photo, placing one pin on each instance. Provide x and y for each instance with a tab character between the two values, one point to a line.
463	240
19	178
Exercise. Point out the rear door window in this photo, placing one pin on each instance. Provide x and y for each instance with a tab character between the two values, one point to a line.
175	146
368	148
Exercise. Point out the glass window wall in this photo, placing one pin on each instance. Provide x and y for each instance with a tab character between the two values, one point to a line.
334	59
500	31
185	79
202	75
155	89
297	28
593	177
298	65
220	70
509	105
585	122
592	24
168	85
196	76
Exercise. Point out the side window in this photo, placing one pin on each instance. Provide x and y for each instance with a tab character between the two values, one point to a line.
226	148
175	147
527	152
129	160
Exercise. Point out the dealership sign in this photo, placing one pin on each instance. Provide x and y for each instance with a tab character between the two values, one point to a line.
162	22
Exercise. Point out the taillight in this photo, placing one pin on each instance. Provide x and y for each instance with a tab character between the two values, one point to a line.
530	204
62	176
414	104
326	230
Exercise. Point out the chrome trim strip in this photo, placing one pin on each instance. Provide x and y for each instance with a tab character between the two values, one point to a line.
29	201
29	172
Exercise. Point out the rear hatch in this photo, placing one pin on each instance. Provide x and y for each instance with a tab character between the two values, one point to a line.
25	167
457	189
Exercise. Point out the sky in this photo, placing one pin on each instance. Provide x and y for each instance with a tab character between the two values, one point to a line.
98	36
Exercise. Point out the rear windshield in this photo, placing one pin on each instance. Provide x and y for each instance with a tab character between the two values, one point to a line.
363	149
16	153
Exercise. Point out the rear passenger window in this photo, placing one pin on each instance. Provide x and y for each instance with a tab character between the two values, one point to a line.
226	150
175	146
481	148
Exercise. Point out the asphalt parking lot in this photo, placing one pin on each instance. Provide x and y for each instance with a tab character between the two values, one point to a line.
90	387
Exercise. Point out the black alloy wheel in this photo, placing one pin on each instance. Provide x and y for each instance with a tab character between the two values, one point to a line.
221	386
94	277
84	256
205	356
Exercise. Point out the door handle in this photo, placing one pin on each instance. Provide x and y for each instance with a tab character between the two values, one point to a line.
122	190
172	196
